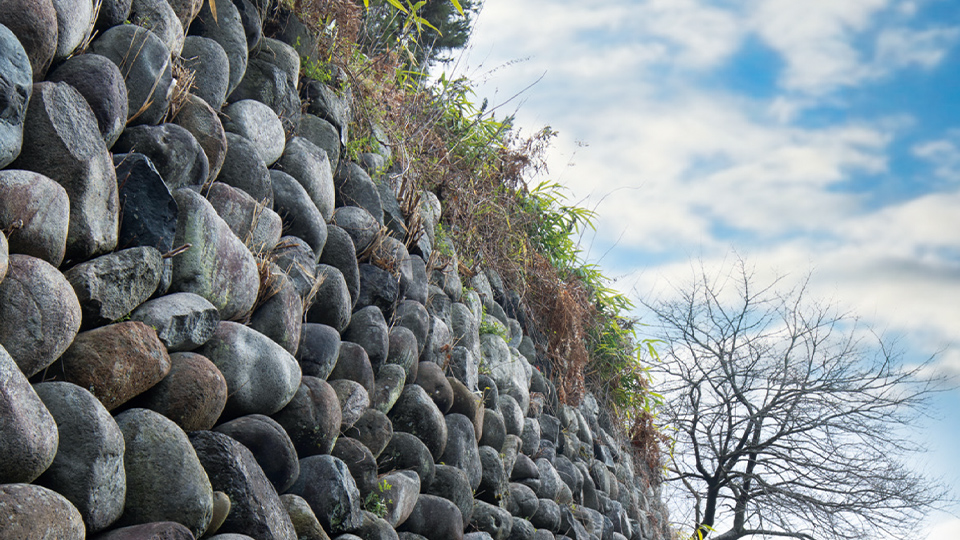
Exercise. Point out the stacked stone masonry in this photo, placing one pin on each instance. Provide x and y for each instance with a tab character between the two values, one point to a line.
189	345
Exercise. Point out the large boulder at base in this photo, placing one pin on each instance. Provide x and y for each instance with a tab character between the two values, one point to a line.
36	211
112	285
261	376
312	419
115	362
148	211
243	169
172	149
62	141
15	87
88	468
310	167
270	445
34	22
452	484
165	479
435	518
39	313
199	118
255	507
226	29
417	414
217	266
28	432
183	321
258	123
100	82
212	67
300	215
148	73
327	486
193	394
36	512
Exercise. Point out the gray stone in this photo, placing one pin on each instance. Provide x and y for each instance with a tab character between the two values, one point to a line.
36	512
148	74
430	377
323	134
547	515
491	396
28	432
39	313
402	351
227	30
339	251
413	316
112	13
569	474
88	468
491	519
465	366
34	22
522	501
313	417
61	140
530	436
158	530
165	480
74	22
279	54
160	18
183	321
209	62
359	224
193	394
148	210
355	188
401	495
259	124
110	286
353	364
4	256
304	521
280	315
101	84
323	102
435	518
452	484
508	369
255	507
438	303
369	329
199	118
354	400
524	468
172	149
217	266
298	212
494	432
390	383
417	288
373	430
393	218
319	349
186	10
493	487
268	83
550	480
439	343
253	222
261	376
330	303
295	257
461	448
469	404
327	486
309	165
406	451
362	465
269	444
41	208
243	169
417	414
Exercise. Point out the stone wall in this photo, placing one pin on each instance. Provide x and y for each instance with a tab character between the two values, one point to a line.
210	325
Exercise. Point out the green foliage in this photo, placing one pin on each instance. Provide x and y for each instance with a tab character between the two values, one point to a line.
422	30
375	503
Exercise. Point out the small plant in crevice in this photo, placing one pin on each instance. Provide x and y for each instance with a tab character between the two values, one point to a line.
375	502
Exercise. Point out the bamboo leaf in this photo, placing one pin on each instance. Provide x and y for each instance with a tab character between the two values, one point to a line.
398	5
456	4
213	8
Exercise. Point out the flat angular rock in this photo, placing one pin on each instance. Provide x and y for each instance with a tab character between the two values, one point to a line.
217	266
407	452
36	512
172	149
158	17
373	430
148	74
417	414
39	313
354	400
183	321
309	165
193	394
323	134
254	223
227	30
42	209
259	124
209	61
110	286
340	252
435	518
255	507
34	22
297	210
158	530
261	376
165	479
401	495
313	417
318	350
327	486
389	385
115	362
101	84
452	484
243	169
268	83
331	299
304	520
199	118
149	211
88	468
28	432
295	257
62	141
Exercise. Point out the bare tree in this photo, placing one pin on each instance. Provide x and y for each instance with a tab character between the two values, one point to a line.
789	422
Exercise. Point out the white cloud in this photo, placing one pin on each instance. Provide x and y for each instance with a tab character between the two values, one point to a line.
902	47
943	154
949	528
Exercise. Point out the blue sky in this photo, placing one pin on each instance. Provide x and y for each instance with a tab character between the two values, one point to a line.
821	135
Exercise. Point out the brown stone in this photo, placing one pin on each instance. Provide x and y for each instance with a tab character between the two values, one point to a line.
193	394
